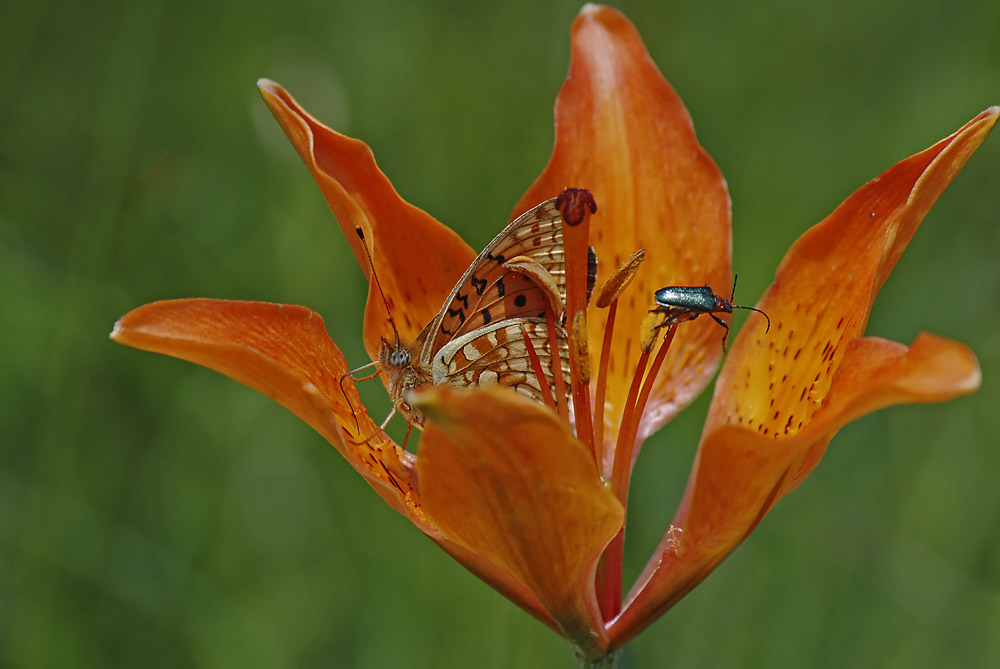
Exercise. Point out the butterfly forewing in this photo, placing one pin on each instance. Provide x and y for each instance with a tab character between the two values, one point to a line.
480	335
488	292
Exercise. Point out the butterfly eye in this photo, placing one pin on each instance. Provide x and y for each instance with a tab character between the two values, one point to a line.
399	358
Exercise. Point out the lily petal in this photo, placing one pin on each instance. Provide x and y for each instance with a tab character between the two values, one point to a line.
417	259
283	351
624	134
782	396
824	289
740	474
505	477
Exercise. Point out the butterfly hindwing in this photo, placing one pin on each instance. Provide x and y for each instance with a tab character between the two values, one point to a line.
498	355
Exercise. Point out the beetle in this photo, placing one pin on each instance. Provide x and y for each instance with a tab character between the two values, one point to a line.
685	303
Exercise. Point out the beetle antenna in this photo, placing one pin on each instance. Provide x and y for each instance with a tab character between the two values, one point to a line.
378	284
740	306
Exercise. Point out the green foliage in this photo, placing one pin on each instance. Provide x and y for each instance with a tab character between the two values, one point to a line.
156	514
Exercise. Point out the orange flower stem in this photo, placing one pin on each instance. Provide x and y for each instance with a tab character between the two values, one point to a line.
602	378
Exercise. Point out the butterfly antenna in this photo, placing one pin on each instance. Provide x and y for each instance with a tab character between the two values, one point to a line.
378	284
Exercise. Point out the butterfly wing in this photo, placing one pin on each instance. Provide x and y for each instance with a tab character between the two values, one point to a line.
490	293
498	355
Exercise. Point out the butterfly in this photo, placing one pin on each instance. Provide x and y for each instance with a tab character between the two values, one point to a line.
481	335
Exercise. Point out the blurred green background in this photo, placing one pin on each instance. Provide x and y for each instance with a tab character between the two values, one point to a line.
156	514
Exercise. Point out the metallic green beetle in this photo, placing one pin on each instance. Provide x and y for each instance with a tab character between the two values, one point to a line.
685	303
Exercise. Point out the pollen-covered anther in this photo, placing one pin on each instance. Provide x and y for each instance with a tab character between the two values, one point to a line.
648	330
574	203
580	347
616	284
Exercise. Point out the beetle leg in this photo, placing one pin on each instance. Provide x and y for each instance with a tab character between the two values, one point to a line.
672	316
724	325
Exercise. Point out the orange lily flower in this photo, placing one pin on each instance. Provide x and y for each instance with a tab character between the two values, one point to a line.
528	502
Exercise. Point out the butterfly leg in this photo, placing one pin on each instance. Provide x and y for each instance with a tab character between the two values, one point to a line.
387	419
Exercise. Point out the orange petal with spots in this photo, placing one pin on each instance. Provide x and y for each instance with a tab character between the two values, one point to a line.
624	134
418	259
781	396
284	352
740	473
505	477
824	289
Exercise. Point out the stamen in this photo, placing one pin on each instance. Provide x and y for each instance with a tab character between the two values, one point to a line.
536	365
629	409
607	298
622	468
562	397
579	357
609	574
576	206
602	379
619	281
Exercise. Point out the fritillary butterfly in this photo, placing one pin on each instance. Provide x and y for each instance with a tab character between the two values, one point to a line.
478	338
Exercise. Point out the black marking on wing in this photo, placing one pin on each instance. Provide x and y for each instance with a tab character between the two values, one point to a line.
479	285
500	287
458	312
486	316
498	258
520	300
464	299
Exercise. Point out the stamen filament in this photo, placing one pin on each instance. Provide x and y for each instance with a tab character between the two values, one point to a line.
602	378
576	206
622	469
536	365
609	570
